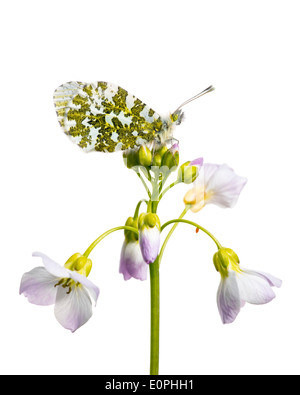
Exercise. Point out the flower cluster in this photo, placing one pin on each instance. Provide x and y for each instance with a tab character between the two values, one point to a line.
105	117
69	289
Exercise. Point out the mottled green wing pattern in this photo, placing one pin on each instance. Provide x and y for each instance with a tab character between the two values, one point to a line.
104	117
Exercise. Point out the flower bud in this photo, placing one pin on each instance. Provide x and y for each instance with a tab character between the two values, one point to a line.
157	160
129	235
161	150
171	158
189	171
131	158
145	156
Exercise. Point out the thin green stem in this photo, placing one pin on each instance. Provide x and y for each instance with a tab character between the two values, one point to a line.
154	289
193	224
155	187
165	175
154	337
136	213
108	232
170	234
144	183
167	188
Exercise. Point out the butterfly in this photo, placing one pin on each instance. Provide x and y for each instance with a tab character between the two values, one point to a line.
102	116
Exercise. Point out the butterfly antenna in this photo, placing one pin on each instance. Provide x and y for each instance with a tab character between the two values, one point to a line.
207	90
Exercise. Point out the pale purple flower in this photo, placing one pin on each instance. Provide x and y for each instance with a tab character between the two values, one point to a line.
149	243
68	290
239	286
149	236
216	184
132	263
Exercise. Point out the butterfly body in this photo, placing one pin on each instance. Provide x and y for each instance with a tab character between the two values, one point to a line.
104	117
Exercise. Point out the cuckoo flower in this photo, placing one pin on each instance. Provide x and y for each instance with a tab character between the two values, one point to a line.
66	287
217	184
149	236
132	263
240	285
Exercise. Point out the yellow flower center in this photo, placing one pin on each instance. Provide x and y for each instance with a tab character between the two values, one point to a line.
197	197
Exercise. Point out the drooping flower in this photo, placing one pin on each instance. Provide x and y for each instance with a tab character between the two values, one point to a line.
132	263
217	184
149	236
67	287
240	285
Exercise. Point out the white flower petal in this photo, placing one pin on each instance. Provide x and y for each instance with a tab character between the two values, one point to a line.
222	185
92	288
254	289
149	243
38	286
123	267
74	309
273	281
228	298
51	266
133	261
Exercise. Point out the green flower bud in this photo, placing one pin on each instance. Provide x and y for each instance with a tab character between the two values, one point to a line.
171	158
157	160
145	156
162	150
187	174
131	158
189	171
129	235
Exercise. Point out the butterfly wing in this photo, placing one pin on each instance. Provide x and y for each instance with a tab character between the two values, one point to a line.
104	117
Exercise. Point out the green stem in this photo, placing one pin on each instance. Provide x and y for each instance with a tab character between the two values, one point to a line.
155	187
101	237
144	183
136	213
154	338
149	206
193	224
165	176
154	295
168	187
170	234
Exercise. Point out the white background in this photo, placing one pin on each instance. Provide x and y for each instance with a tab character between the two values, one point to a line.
57	199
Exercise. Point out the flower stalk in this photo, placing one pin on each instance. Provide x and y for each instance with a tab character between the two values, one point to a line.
154	332
196	226
108	232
